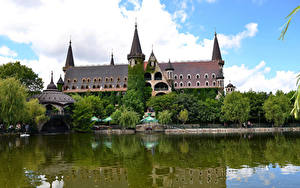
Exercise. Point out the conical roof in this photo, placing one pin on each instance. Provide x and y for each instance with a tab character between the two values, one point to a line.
216	50
136	50
112	62
60	81
169	67
70	59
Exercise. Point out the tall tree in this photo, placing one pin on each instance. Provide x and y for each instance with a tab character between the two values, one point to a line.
24	74
236	108
277	108
12	101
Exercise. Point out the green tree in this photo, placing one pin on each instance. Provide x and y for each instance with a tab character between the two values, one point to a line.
109	109
256	100
209	110
277	108
24	74
117	114
133	101
183	116
82	114
35	112
236	108
165	117
12	101
129	119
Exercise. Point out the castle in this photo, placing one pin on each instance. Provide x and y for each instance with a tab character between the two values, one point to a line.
161	77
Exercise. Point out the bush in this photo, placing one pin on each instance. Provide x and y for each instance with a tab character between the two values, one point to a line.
165	117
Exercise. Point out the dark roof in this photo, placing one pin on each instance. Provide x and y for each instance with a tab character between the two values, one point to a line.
100	71
112	62
136	50
216	50
220	74
169	67
51	86
230	85
70	59
54	97
60	81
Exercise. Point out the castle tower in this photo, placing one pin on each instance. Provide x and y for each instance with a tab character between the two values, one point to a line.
70	59
136	55
112	62
216	56
60	84
170	71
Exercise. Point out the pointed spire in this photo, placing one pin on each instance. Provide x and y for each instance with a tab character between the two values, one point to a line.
70	59
136	50
60	81
112	62
216	50
169	67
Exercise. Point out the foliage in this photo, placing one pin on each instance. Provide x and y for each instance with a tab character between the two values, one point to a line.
117	114
136	82
209	110
287	24
165	117
256	100
200	94
24	74
183	116
35	112
128	119
296	97
82	114
109	109
133	101
236	108
277	108
12	101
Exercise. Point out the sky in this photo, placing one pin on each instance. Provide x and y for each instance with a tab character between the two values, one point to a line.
37	33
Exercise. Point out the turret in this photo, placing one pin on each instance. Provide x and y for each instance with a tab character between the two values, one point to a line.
60	84
112	62
216	55
136	55
170	70
70	59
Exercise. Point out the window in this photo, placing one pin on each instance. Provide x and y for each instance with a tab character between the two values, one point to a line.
98	86
214	83
110	86
206	83
181	84
105	86
111	79
189	84
95	79
213	75
83	80
189	76
118	86
94	86
82	87
118	80
158	76
106	79
74	80
68	81
175	76
124	86
198	76
73	87
125	79
99	79
175	84
181	77
206	76
88	80
198	83
87	87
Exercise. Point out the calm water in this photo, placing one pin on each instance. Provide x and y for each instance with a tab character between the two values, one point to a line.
87	160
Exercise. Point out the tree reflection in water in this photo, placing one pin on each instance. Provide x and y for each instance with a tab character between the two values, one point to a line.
86	160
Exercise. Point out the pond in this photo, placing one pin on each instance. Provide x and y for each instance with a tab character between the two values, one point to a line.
144	160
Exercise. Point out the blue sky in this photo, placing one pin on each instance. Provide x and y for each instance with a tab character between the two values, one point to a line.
37	34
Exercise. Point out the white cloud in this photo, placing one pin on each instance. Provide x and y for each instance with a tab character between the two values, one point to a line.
245	78
97	27
5	51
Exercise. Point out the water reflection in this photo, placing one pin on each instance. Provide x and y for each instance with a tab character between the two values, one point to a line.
86	160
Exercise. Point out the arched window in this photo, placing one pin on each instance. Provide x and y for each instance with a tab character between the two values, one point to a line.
198	83
83	80
214	83
147	76
181	84
206	76
87	87
189	84
106	79
98	86
67	88
110	86
161	86
111	79
68	81
105	86
175	77
99	79
175	84
180	76
88	80
74	80
158	76
117	86
197	76
147	84
124	86
125	79
118	80
95	79
206	83
213	75
73	87
82	87
189	76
